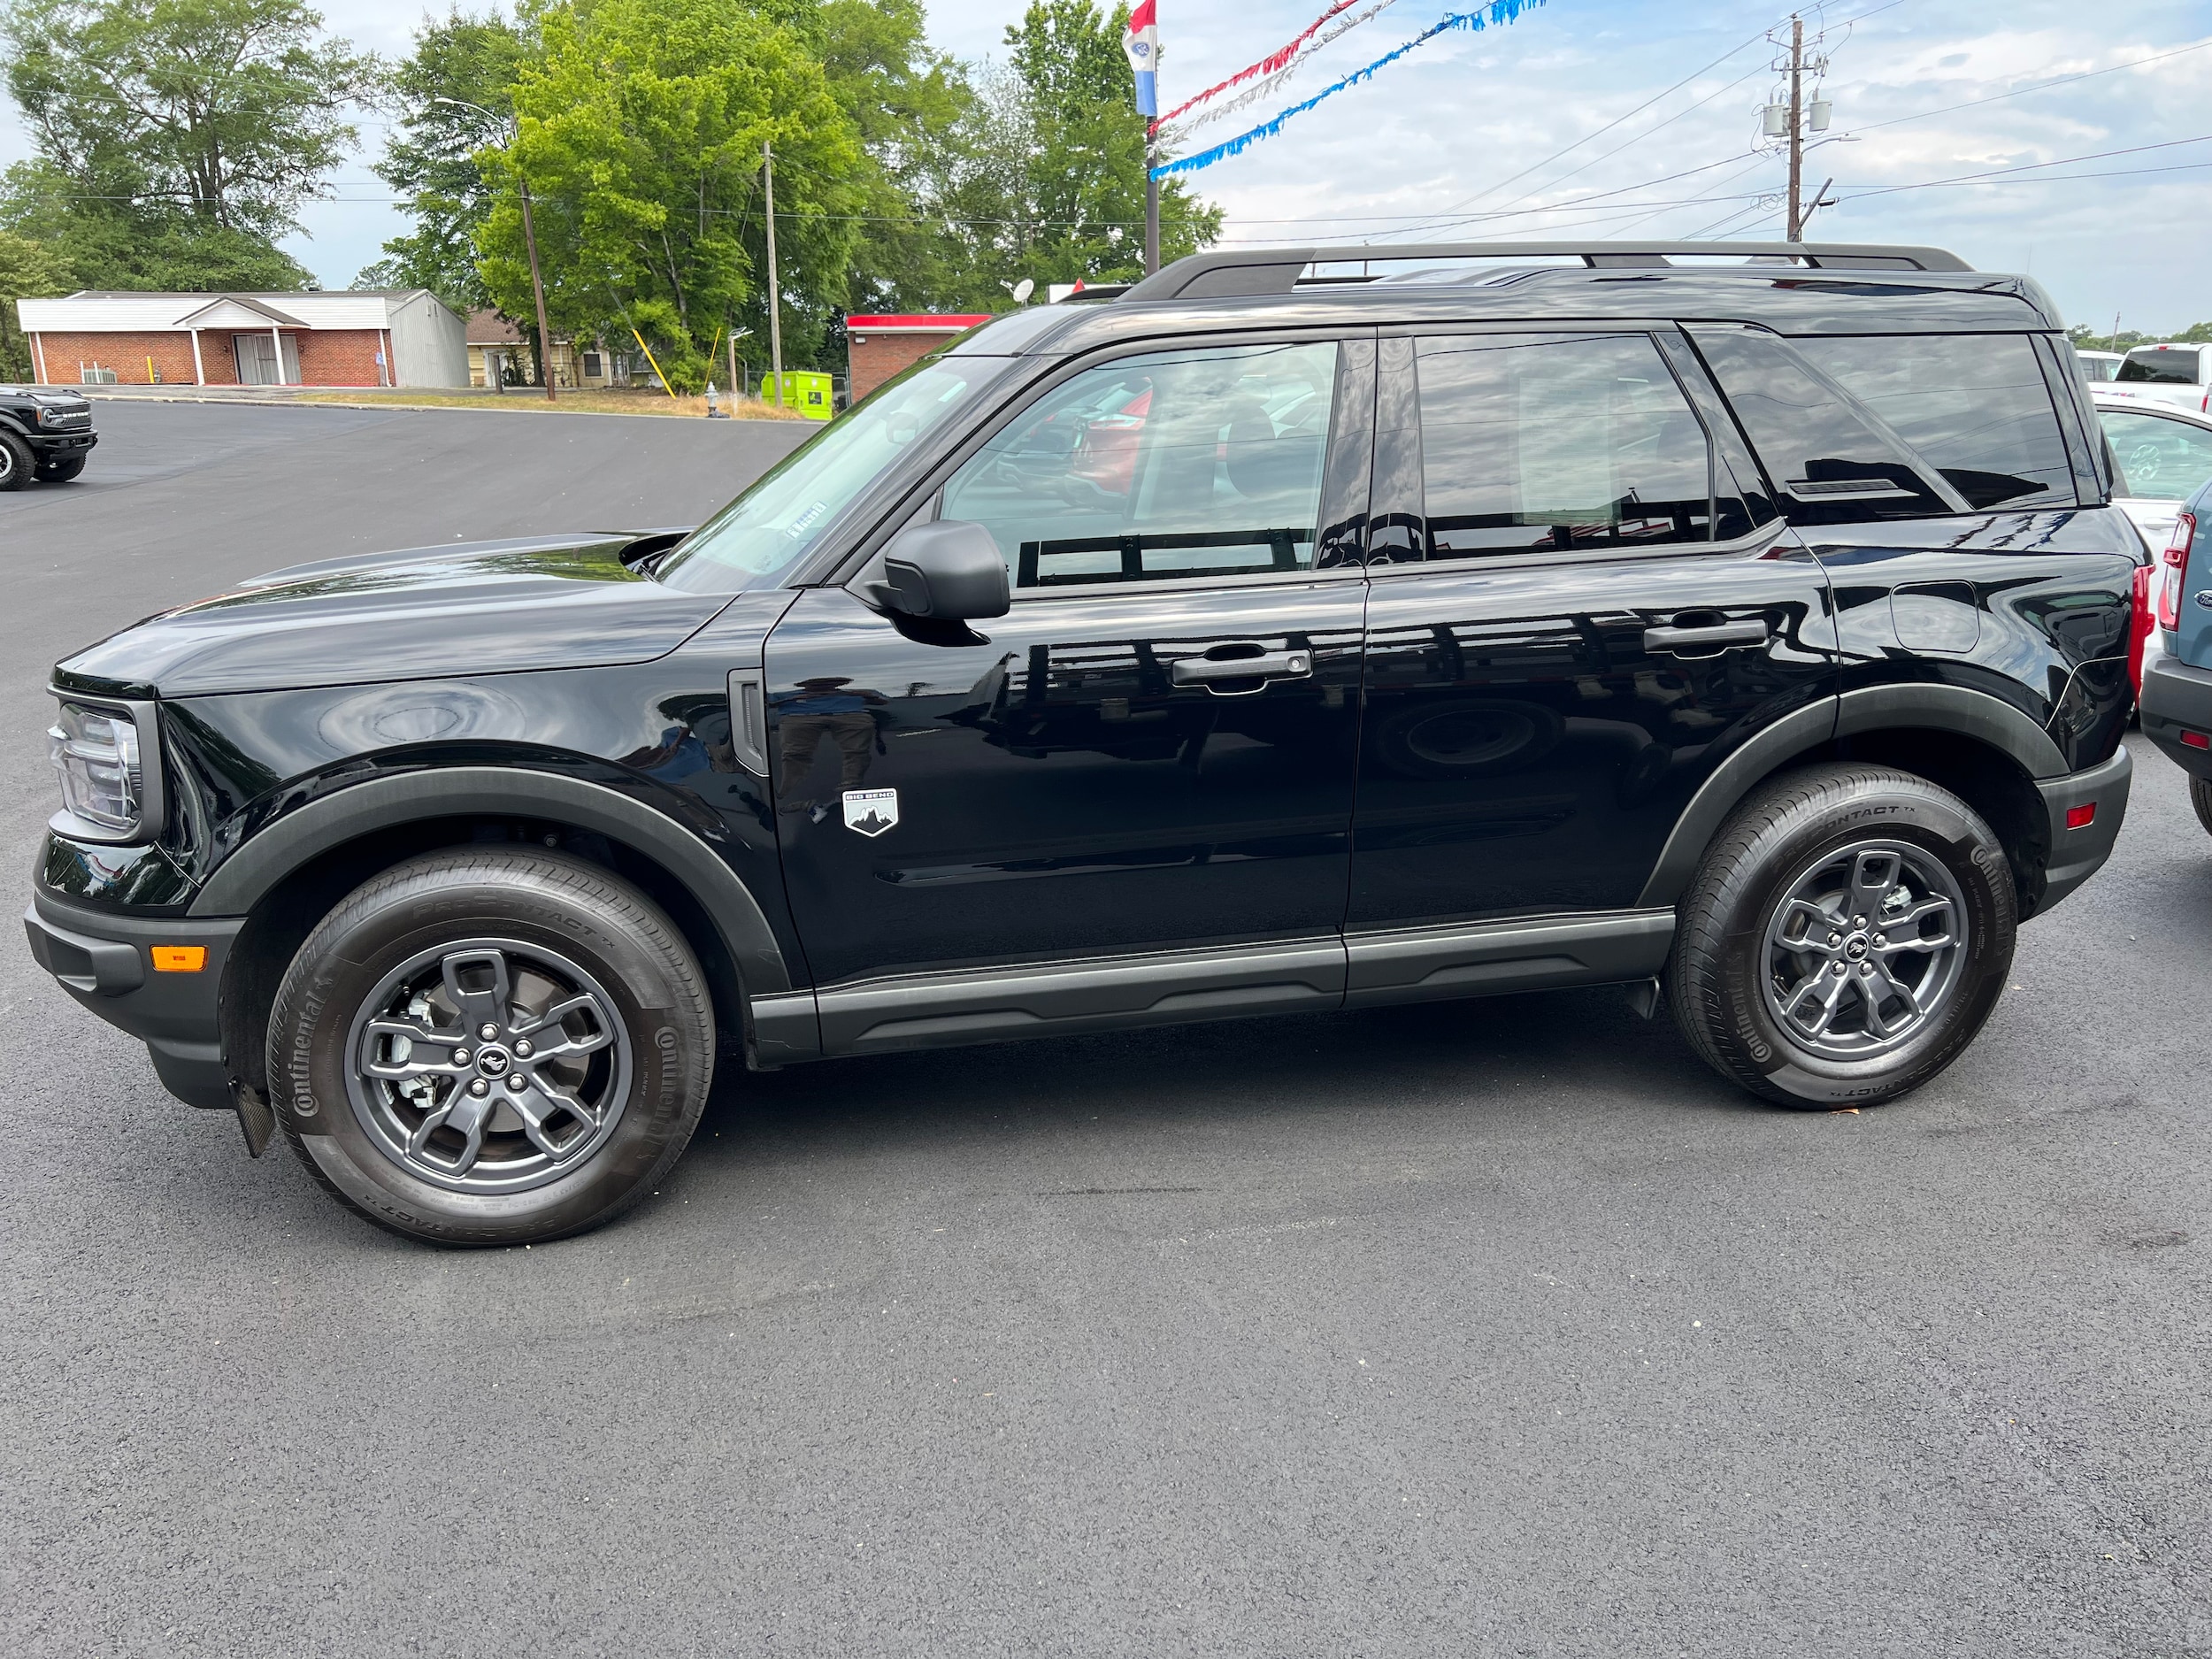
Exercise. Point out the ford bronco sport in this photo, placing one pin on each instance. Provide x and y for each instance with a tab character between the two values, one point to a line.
1751	634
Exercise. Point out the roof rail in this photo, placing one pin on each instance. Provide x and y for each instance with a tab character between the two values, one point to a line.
1222	275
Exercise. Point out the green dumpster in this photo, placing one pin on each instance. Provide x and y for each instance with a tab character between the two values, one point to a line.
803	390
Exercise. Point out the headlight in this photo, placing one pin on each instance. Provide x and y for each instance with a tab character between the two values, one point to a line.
106	782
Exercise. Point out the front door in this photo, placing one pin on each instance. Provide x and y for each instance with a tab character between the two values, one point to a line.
1576	619
1153	751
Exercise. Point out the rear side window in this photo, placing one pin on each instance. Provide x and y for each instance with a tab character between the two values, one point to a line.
1831	465
1559	441
1974	405
2163	363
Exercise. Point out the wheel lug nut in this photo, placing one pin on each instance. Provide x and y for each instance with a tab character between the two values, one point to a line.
460	1056
1835	939
515	1081
1881	939
523	1047
479	1087
1857	921
1866	968
488	1031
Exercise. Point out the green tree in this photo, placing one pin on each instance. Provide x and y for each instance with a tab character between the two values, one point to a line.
1051	181
433	155
639	131
27	269
174	135
121	244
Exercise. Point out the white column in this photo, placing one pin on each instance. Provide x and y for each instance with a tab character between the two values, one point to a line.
276	338
199	369
38	350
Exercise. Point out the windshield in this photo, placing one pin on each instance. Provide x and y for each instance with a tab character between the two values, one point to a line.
765	532
2160	363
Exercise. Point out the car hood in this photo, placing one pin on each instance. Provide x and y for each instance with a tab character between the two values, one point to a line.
479	608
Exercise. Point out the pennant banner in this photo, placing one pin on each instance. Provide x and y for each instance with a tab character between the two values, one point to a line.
1267	65
1500	11
1262	90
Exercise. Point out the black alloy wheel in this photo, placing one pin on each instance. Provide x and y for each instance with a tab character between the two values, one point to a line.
16	465
1846	936
491	1046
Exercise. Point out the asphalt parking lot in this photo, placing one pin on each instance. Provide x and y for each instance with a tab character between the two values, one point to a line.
1497	1328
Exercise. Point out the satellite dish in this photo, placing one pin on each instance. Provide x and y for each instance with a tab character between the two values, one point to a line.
1022	289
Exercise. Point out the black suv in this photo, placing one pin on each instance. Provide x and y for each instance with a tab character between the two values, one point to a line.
1750	633
43	436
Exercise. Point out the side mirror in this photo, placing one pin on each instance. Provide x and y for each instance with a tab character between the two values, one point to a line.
949	571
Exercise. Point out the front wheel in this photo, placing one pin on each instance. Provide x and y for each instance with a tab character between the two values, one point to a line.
491	1046
16	464
1846	936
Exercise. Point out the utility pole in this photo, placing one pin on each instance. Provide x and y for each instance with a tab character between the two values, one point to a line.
1151	200
537	288
1797	129
775	292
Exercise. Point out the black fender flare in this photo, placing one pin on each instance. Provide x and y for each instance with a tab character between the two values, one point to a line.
1974	714
247	875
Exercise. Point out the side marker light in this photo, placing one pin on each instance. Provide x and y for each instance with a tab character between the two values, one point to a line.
2196	740
179	958
2081	816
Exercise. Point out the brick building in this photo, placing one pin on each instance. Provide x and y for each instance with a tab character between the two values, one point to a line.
372	338
879	347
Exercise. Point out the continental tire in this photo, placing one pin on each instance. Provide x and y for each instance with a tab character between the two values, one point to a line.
491	1046
1845	939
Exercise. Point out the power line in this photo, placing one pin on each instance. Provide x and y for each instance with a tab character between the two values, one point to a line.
2062	81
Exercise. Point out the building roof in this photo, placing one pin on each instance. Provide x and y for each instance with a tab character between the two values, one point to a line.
917	323
489	329
109	311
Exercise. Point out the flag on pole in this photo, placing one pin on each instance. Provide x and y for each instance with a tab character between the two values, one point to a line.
1142	44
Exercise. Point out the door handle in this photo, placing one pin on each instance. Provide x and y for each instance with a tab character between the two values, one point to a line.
748	720
1202	671
1712	639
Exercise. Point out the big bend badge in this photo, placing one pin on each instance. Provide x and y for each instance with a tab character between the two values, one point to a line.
871	811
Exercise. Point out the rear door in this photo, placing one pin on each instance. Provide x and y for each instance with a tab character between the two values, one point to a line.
1153	752
1582	603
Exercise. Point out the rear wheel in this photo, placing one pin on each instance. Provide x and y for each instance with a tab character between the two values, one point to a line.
1845	938
2200	798
15	461
60	471
491	1046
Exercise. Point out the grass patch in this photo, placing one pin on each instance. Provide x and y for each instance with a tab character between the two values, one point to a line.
608	400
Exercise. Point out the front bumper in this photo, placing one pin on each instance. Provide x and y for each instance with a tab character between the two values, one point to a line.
2177	704
59	446
105	960
2078	854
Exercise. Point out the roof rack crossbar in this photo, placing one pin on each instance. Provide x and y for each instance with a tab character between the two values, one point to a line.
1254	271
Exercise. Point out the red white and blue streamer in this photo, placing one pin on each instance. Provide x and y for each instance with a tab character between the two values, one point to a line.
1498	13
1267	65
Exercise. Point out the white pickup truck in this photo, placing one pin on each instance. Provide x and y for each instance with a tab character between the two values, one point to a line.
2176	376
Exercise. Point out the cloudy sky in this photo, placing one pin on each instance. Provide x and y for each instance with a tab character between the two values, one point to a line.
1630	117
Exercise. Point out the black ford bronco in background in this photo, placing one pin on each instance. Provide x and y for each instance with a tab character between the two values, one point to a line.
1255	642
44	436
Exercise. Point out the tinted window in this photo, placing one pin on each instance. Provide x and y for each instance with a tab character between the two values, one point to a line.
2096	370
2160	459
1557	441
1975	405
1831	465
2160	363
1174	464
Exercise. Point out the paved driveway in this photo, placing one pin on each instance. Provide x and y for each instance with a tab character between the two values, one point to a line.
1494	1328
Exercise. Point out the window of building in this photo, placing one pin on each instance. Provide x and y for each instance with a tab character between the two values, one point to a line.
1562	442
1975	405
1176	464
